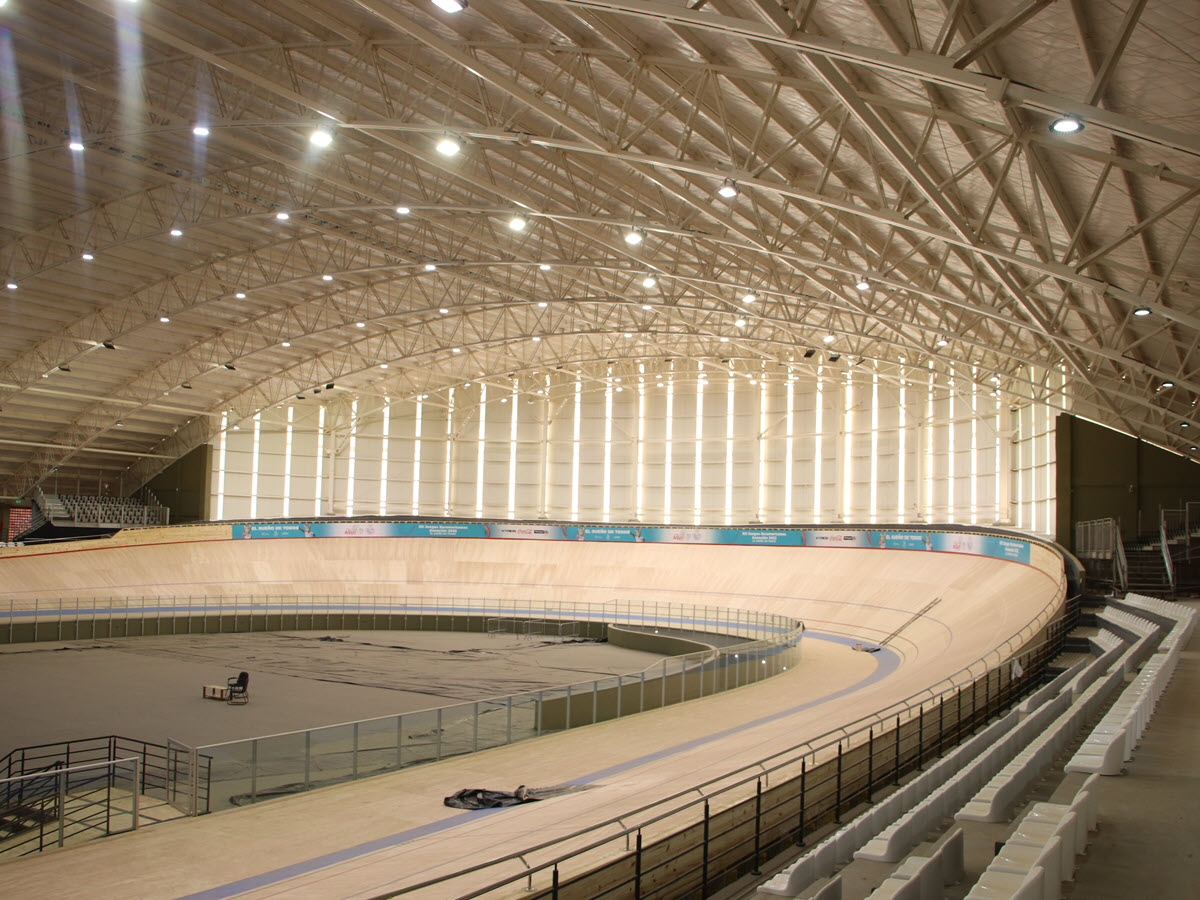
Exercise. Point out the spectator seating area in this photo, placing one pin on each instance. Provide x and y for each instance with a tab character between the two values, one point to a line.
989	778
81	511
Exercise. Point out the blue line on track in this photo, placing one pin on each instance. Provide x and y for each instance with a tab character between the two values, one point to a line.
886	664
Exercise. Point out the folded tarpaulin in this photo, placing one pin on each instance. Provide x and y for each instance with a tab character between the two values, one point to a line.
481	798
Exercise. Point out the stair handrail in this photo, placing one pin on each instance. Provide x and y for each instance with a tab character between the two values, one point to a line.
1120	564
1164	543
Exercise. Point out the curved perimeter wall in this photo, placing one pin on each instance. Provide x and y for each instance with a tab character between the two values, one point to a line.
951	605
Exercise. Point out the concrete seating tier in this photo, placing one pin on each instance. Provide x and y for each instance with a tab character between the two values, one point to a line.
995	799
1040	853
841	846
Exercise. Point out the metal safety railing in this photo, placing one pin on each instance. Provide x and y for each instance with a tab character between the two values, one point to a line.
1100	539
705	837
253	769
62	804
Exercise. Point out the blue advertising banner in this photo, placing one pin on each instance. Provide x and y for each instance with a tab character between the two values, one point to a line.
937	541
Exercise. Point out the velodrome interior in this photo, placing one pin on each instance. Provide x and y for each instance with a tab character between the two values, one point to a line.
728	271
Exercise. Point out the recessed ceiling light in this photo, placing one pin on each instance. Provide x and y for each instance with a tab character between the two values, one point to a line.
430	267
740	323
402	210
448	146
200	131
120	424
724	340
164	319
1181	424
649	281
320	138
1141	311
11	285
1168	384
829	338
942	342
88	257
1067	125
444	311
241	295
536	338
76	146
456	350
545	267
360	324
450	6
327	278
542	304
175	232
282	216
647	307
518	223
286	344
634	236
383	365
728	189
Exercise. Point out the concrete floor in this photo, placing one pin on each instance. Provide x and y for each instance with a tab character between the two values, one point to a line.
149	688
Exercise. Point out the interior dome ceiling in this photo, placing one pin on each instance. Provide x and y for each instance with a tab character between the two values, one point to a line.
903	146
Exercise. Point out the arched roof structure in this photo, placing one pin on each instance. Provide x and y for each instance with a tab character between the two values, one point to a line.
897	196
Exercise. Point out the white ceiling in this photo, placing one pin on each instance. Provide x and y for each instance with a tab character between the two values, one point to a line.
904	140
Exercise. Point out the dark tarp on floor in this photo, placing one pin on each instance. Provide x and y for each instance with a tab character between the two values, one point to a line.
481	798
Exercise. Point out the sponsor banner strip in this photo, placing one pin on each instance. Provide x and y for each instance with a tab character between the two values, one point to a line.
990	545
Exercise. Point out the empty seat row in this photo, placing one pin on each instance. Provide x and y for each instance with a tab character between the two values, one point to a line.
925	877
1040	853
841	846
1182	619
1113	739
994	800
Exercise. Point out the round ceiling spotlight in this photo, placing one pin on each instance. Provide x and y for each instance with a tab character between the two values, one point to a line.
1067	125
729	189
321	137
1141	311
829	338
862	284
518	222
634	236
750	297
649	281
200	131
448	146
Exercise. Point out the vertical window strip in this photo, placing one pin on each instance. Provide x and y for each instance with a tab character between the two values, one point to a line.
696	499
320	474
512	453
929	435
641	444
546	450
448	463
222	444
1020	470
873	512
667	451
606	498
818	444
575	449
729	401
353	452
788	448
950	467
255	443
974	450
383	459
480	443
1000	480
418	414
847	447
902	449
289	429
761	504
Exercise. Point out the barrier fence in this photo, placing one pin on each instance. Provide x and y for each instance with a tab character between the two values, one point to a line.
217	776
687	845
68	804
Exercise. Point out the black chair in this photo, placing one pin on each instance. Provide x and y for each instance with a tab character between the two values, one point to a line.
238	688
